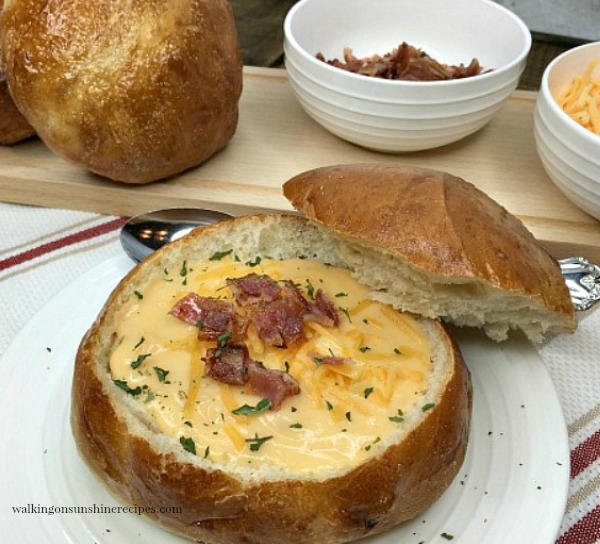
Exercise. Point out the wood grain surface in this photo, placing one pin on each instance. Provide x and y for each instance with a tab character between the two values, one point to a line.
276	140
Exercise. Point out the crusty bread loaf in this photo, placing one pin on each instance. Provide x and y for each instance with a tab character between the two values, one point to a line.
222	504
13	126
433	244
134	91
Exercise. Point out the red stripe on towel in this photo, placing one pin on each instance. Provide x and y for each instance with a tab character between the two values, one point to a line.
585	454
65	241
585	531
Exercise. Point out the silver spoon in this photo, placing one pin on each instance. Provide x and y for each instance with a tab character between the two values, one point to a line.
145	233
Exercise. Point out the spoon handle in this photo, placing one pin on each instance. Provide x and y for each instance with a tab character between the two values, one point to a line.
583	281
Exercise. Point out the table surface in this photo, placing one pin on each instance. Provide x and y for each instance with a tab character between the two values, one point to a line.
43	249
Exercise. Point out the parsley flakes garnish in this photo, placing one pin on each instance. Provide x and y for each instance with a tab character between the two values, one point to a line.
161	373
218	255
188	444
428	406
122	384
310	290
247	410
398	418
253	263
141	358
222	339
346	312
257	441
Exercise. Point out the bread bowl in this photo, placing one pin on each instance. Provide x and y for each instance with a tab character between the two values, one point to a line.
133	91
263	487
13	126
442	247
246	473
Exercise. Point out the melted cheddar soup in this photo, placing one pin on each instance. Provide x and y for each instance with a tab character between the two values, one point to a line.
342	410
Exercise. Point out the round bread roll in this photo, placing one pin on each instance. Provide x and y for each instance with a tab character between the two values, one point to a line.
133	91
394	477
13	126
431	243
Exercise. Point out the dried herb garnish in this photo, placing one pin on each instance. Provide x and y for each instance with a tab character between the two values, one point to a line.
188	444
257	442
122	384
218	255
247	410
140	359
161	373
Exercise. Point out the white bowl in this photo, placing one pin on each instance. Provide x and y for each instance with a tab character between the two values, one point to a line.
451	32
569	152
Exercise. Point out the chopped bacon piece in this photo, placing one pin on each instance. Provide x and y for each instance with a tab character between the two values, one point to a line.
323	311
212	316
228	364
275	385
254	289
232	364
405	62
279	322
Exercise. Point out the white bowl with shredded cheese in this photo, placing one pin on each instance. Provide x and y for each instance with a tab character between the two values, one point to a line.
567	125
419	74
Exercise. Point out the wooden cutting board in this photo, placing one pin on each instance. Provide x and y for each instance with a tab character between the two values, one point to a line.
276	140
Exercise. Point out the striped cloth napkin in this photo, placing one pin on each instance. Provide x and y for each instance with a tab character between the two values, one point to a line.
43	250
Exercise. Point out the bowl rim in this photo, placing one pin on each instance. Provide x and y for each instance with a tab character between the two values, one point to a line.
586	134
288	35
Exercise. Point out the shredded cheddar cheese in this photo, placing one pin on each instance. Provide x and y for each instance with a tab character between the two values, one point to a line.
344	410
581	99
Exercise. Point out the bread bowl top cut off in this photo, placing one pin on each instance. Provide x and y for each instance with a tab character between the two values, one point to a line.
440	247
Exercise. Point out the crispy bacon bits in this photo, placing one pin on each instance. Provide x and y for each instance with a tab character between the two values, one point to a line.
228	364
232	364
277	310
212	316
406	62
273	384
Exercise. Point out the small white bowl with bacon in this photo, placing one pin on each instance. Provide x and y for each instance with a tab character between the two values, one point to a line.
403	76
567	125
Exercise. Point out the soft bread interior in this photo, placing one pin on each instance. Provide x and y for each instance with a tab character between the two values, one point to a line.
463	302
277	237
431	243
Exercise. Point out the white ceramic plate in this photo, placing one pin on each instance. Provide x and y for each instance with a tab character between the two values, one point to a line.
511	489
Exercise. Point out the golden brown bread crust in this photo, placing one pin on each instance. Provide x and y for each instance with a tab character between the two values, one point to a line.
13	126
434	221
134	91
220	508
